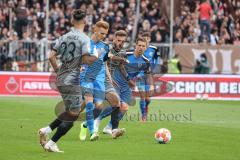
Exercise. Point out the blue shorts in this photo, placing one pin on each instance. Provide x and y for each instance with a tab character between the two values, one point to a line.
142	85
125	94
96	88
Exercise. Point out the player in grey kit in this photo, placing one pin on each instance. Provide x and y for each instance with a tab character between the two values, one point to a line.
72	48
117	51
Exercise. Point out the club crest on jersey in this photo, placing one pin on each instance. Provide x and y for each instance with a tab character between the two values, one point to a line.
151	54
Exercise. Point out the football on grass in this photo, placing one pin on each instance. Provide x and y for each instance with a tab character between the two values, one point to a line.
163	136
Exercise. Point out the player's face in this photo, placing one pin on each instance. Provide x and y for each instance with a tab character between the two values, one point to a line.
140	47
118	42
101	33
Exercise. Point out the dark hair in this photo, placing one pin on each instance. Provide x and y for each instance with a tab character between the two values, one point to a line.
146	34
78	14
203	55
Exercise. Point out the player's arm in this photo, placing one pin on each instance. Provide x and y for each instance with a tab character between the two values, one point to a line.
108	73
53	60
114	58
88	59
123	71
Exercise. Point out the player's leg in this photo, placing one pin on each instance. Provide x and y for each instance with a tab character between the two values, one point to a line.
45	131
125	94
99	97
114	101
87	88
83	126
142	102
72	98
147	97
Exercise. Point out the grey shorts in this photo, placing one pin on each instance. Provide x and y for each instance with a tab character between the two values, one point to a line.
109	86
72	97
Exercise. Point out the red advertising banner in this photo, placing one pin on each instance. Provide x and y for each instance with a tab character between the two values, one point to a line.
217	87
26	83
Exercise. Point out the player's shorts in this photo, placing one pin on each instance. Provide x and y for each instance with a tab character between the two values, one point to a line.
109	86
142	85
72	97
95	88
125	94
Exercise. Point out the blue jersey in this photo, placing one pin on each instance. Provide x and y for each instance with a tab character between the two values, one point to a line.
151	55
135	66
96	71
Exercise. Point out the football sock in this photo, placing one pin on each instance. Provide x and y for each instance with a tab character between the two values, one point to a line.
55	124
142	107
62	129
114	117
105	112
147	104
90	117
96	112
120	116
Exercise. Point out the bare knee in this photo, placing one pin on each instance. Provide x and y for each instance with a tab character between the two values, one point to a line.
113	99
124	107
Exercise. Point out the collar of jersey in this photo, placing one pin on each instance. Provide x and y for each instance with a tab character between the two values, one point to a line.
75	30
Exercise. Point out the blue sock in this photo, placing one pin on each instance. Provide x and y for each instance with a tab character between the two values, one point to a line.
120	116
105	112
143	107
89	116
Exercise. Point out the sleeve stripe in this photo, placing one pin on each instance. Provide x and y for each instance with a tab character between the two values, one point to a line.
154	47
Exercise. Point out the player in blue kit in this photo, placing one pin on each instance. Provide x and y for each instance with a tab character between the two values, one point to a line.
144	88
93	83
93	77
124	82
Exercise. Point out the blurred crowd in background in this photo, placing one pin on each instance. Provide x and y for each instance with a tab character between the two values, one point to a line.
23	37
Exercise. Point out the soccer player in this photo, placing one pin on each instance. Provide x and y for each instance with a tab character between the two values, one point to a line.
72	49
94	76
144	88
124	82
118	55
93	84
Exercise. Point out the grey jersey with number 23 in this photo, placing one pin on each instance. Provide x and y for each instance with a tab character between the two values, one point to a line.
70	48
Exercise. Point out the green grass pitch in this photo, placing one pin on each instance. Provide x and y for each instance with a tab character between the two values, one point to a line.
208	130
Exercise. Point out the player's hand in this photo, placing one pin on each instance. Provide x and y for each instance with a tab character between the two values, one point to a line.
131	84
125	61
